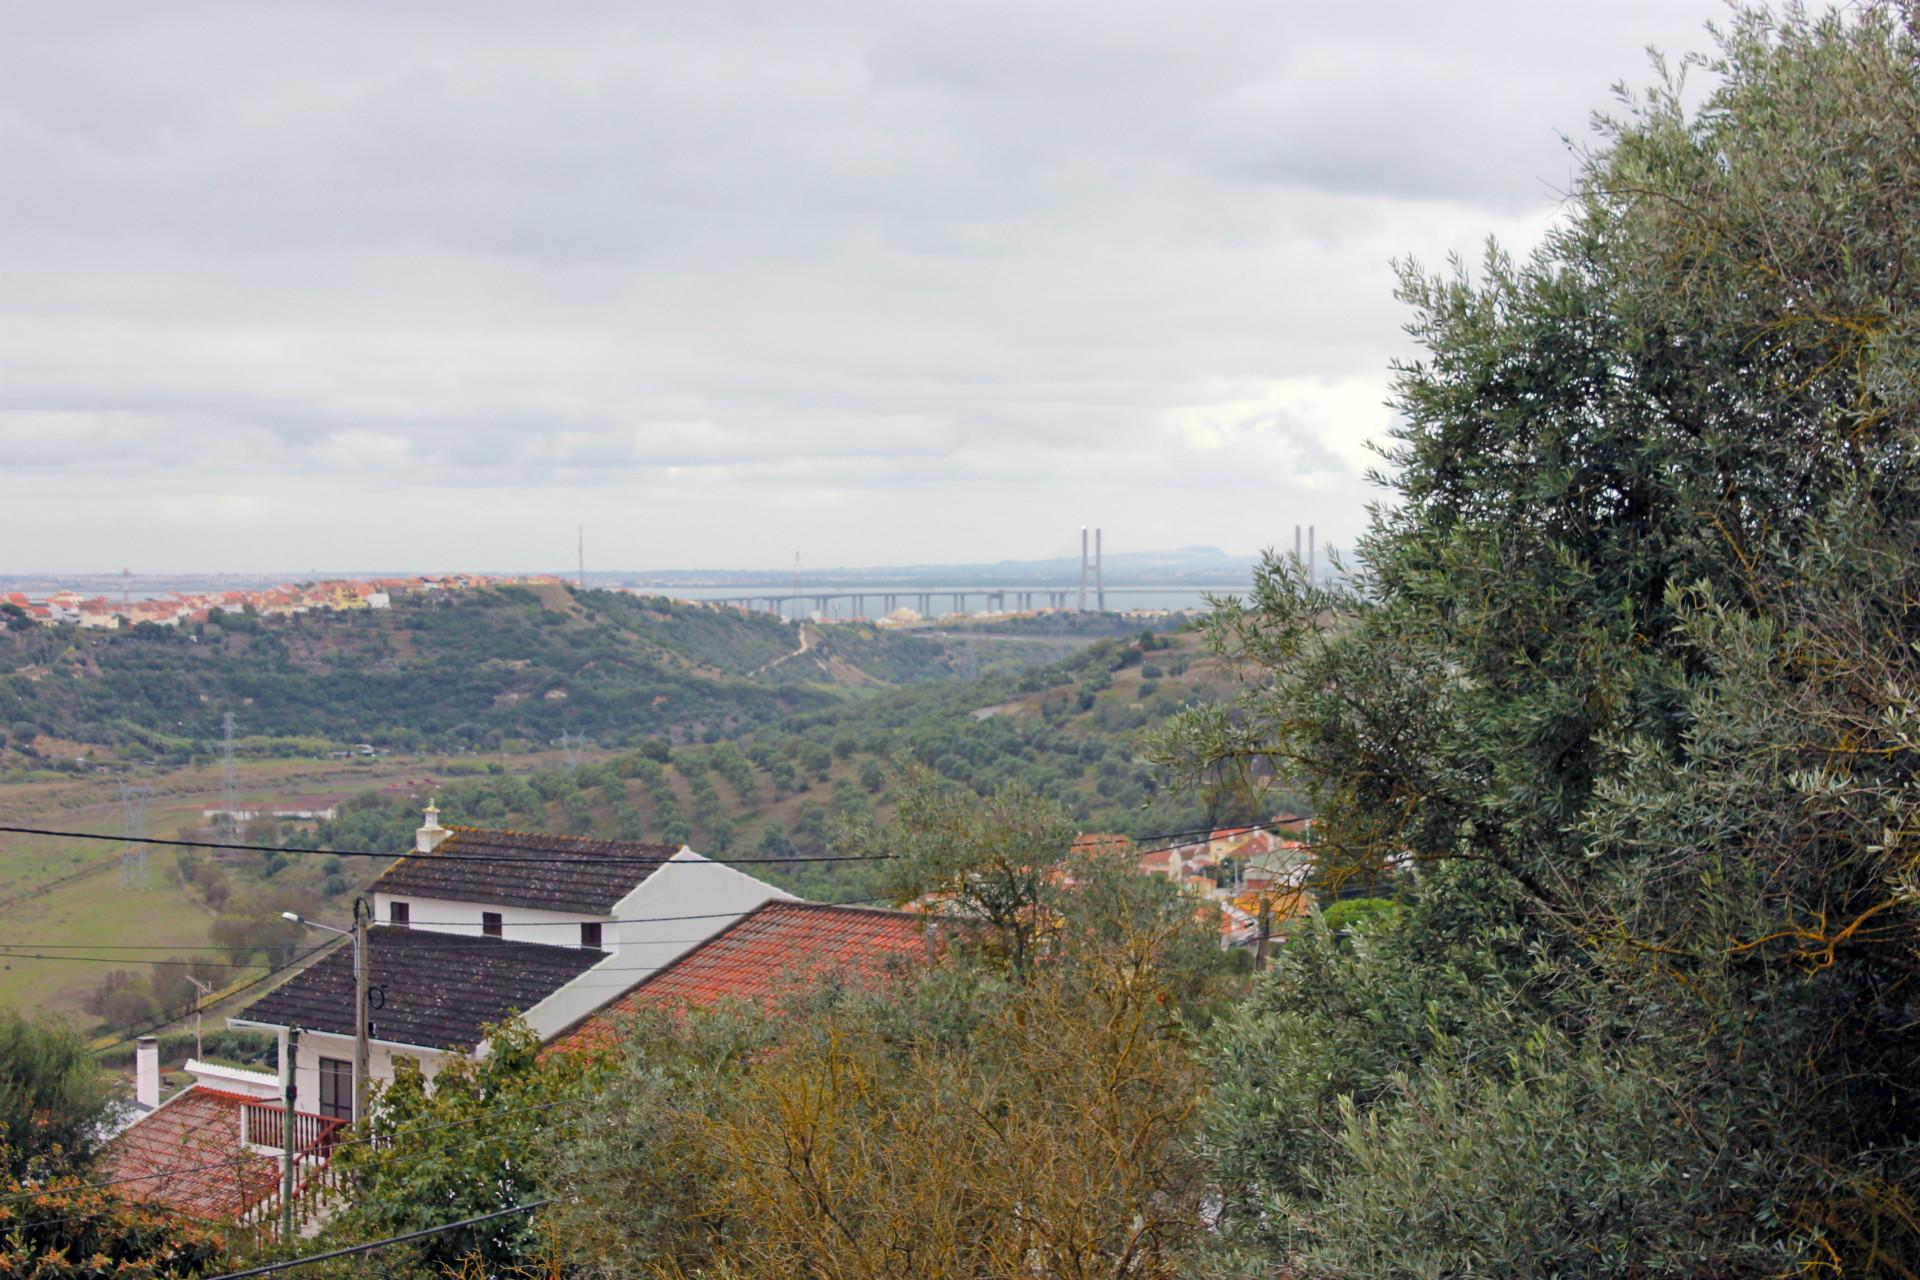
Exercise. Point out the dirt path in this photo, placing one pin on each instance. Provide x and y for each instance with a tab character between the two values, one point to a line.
806	642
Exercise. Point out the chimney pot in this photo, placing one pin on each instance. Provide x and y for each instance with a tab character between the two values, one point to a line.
431	833
146	1072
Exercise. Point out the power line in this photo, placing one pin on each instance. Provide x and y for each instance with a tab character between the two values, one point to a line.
157	1023
647	860
351	1139
291	1263
36	955
537	860
428	924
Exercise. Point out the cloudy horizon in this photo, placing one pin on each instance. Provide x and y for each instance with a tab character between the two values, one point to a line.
432	284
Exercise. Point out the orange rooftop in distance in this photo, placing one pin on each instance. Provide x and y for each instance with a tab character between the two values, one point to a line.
766	954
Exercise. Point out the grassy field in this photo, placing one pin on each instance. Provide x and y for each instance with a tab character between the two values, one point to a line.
63	892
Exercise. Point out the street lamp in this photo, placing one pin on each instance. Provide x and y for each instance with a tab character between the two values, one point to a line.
359	935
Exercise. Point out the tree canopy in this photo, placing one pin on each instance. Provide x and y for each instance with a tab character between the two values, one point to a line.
1624	682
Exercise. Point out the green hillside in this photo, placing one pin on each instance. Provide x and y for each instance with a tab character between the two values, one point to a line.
502	668
1072	729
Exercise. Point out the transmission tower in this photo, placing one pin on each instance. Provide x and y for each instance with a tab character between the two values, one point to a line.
229	785
571	745
133	858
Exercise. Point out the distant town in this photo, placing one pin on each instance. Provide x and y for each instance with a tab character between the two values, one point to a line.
74	608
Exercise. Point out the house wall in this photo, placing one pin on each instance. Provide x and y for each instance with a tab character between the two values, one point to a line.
315	1045
517	924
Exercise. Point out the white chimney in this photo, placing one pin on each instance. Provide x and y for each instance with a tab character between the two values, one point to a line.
431	833
146	1072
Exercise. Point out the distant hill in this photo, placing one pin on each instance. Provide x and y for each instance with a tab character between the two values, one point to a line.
489	669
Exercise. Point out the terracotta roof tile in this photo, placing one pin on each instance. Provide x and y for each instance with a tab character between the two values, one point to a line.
163	1157
762	956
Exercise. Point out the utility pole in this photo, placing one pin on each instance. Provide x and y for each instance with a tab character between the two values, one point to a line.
1266	931
204	989
286	1133
362	916
360	966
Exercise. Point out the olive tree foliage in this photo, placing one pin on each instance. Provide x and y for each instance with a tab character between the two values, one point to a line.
975	1113
1624	682
994	860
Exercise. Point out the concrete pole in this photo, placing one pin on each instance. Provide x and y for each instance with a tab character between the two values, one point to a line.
286	1133
1083	568
1099	574
360	1011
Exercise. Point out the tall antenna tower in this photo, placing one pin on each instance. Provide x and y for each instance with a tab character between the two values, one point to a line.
229	786
1099	575
133	858
1083	568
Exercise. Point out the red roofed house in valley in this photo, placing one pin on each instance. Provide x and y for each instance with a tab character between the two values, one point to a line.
762	956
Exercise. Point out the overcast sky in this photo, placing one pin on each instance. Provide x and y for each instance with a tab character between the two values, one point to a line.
425	285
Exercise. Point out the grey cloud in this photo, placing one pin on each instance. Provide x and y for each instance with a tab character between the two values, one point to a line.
748	256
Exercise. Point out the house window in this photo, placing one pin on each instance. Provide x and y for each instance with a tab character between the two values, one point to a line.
399	914
490	924
336	1088
590	934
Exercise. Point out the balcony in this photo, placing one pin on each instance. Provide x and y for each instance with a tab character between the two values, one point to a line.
264	1124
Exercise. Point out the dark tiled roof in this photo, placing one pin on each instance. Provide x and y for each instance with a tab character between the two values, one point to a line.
186	1154
527	869
762	956
437	990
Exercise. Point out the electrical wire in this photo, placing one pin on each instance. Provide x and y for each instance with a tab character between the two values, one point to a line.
647	860
268	976
369	1247
652	860
428	924
351	1139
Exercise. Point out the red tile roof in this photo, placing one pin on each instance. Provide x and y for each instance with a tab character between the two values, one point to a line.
187	1156
760	957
